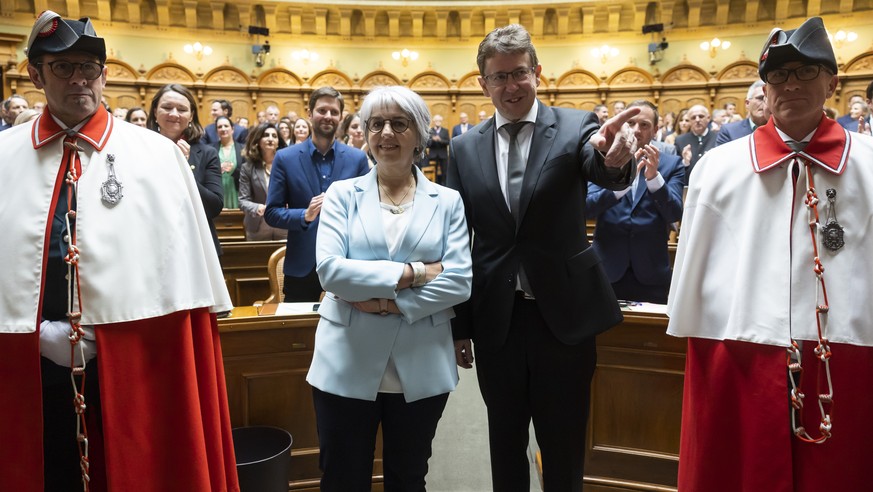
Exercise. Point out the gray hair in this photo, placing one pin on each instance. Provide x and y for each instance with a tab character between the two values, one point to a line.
410	103
755	85
507	40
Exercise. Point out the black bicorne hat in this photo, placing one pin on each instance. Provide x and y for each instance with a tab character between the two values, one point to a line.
52	34
808	43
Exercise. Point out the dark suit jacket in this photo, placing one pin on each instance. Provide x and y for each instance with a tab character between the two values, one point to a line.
549	238
846	120
237	148
210	134
852	125
207	173
698	148
293	183
438	150
733	131
634	233
456	130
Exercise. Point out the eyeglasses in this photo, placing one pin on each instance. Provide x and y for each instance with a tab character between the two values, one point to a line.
64	69
398	125
803	72
499	79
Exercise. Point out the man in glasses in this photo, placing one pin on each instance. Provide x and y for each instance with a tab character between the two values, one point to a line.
300	175
539	293
771	286
757	115
132	328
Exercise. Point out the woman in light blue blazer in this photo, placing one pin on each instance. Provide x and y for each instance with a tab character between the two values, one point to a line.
393	256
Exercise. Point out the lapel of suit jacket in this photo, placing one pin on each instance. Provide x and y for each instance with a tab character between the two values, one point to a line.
641	188
370	214
541	143
339	160
426	199
195	160
488	166
309	169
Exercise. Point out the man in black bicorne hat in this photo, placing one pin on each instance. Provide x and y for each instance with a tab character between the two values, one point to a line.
110	281
772	286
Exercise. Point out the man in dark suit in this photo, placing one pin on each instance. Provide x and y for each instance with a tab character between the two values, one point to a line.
539	292
12	107
461	127
299	177
437	147
846	120
222	107
757	114
633	224
697	141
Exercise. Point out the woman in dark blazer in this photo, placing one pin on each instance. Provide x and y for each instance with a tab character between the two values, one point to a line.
261	147
173	114
230	156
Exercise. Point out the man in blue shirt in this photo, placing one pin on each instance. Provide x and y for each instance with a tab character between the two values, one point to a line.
297	181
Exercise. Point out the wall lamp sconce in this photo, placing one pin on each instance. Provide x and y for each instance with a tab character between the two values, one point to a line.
604	53
304	56
198	50
713	46
404	56
842	37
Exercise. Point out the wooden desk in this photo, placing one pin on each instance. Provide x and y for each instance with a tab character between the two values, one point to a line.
266	359
636	397
636	407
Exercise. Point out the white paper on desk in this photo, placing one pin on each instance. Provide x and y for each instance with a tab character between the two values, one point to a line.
646	307
287	308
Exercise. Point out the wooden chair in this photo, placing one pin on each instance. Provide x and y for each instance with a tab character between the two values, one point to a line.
275	266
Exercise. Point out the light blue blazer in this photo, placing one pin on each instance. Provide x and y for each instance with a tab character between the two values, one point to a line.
352	347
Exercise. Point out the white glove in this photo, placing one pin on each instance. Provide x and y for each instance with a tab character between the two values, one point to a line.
54	343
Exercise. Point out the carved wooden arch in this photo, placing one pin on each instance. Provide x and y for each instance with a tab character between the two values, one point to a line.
227	75
279	77
861	63
685	73
378	78
118	70
745	70
578	77
630	76
429	80
170	72
470	81
333	78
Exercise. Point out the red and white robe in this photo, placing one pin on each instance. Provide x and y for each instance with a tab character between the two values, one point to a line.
744	286
150	283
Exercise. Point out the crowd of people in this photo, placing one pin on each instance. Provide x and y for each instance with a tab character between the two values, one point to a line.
415	275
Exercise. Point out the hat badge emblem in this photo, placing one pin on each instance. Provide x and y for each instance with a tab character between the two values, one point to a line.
49	29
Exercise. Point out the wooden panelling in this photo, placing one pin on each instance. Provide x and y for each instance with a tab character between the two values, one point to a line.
636	407
266	359
229	225
245	270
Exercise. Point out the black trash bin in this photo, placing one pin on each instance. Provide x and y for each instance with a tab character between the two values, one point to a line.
263	458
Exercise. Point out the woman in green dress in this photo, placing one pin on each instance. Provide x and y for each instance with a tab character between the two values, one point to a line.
229	153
